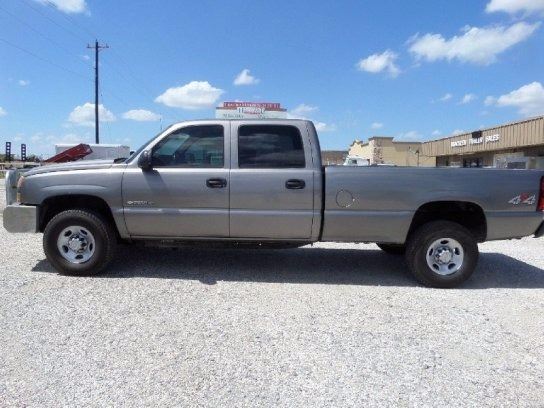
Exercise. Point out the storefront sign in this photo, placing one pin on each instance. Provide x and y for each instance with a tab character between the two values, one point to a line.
480	140
459	143
493	138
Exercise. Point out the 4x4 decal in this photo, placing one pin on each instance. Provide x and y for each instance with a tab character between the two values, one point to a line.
523	198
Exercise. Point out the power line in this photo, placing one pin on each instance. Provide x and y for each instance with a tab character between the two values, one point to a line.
41	34
27	3
42	59
141	89
71	20
136	84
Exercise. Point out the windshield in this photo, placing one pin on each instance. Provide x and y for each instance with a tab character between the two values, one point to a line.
142	147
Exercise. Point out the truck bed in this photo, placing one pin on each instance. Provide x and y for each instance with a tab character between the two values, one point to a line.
377	204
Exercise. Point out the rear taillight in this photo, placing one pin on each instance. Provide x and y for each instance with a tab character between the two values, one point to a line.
541	197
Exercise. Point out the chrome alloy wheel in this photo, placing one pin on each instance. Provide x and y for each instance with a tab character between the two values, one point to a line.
445	256
76	244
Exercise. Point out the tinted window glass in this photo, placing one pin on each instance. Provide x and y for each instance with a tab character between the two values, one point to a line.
193	146
270	146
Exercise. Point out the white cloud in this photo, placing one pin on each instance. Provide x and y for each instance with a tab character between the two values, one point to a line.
324	127
410	136
376	125
515	6
85	57
245	78
529	99
192	96
2	112
302	110
457	132
490	100
71	138
83	115
141	115
446	97
436	132
67	6
475	45
23	82
377	63
468	98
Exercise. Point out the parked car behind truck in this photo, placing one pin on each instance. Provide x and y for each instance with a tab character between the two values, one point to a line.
262	182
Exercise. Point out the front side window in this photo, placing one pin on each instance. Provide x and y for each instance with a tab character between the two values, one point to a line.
192	146
270	146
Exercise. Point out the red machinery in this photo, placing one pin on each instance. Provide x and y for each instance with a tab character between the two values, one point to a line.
71	154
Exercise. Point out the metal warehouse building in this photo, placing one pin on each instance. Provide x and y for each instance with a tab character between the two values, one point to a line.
518	145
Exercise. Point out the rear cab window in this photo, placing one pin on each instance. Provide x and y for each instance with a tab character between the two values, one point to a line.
270	147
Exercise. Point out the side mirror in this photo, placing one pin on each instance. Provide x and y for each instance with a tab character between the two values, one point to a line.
144	161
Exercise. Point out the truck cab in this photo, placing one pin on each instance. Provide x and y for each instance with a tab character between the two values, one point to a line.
226	179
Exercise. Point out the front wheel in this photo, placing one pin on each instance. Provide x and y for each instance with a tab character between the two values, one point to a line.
442	254
79	242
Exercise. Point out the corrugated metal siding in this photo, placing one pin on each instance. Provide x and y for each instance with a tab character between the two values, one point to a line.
526	133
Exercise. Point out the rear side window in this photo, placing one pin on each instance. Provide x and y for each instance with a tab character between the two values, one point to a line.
270	146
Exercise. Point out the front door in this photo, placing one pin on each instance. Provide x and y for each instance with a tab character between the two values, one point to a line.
186	193
272	182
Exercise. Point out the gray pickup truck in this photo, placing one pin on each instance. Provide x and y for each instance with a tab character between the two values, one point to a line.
261	183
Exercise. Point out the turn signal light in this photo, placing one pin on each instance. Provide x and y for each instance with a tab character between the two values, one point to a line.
541	197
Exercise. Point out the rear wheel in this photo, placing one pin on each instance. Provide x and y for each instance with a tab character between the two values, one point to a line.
442	254
79	242
393	249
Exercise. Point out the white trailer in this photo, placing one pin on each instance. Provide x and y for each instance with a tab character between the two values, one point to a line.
100	151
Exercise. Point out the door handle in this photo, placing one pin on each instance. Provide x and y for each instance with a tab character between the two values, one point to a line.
216	183
295	184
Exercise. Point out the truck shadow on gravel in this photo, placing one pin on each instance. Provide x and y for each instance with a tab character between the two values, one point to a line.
303	266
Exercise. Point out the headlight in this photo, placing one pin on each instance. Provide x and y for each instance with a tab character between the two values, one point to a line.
20	183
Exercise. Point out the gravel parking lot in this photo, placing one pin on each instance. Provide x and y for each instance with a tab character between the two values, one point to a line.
329	325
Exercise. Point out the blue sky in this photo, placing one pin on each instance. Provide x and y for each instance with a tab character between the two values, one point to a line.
412	70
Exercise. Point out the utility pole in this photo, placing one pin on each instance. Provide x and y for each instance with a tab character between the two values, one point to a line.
96	47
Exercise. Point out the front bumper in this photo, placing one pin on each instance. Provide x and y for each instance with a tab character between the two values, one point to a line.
540	231
20	218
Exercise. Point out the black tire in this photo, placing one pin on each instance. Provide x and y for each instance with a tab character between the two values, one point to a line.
420	242
393	249
105	242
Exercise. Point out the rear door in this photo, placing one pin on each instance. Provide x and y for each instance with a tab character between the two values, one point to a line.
271	181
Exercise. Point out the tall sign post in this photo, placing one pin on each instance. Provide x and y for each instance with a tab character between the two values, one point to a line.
8	152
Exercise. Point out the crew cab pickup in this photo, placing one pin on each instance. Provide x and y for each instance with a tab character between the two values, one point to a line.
261	183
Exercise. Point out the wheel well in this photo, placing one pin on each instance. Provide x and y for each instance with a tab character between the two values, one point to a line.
55	205
469	215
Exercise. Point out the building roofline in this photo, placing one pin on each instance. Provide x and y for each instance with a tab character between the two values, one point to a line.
517	122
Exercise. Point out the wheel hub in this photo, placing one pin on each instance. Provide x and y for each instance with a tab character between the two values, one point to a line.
445	256
76	244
